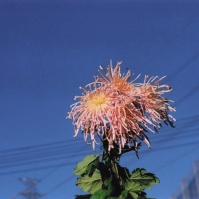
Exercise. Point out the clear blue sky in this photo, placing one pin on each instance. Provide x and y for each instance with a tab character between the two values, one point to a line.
50	48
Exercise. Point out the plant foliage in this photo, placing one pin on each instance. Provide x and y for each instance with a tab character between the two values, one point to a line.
108	180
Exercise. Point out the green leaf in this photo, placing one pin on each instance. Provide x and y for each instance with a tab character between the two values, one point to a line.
106	191
87	165
90	184
138	194
101	194
138	182
133	186
146	180
134	189
125	195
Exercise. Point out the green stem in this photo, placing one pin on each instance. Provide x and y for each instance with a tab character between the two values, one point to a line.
115	169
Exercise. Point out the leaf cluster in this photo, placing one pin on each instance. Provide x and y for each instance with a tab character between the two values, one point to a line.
138	182
111	181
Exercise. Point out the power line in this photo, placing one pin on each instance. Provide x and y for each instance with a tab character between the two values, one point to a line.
60	144
33	169
60	184
15	162
188	95
56	156
185	144
183	66
49	157
39	146
182	155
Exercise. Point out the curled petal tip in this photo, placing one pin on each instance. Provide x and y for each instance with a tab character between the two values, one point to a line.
101	67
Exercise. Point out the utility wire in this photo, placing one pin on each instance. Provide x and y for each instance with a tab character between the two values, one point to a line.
16	163
188	95
60	184
187	63
185	144
63	145
39	146
183	66
182	155
33	169
40	158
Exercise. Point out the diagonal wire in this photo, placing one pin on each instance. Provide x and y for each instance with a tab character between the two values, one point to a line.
188	95
182	155
183	66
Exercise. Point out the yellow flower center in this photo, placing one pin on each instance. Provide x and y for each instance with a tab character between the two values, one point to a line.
98	101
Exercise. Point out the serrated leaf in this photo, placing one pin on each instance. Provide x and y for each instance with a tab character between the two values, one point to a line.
125	195
105	192
146	180
101	194
138	182
138	194
133	186
87	165
90	184
134	189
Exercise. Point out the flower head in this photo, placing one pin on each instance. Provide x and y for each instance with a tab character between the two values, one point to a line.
153	103
92	111
112	77
130	119
120	110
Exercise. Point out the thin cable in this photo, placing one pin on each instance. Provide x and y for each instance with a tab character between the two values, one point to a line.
183	66
175	159
185	144
188	95
60	184
48	146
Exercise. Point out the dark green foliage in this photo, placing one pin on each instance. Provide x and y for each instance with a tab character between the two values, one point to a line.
90	183
106	179
88	196
144	179
87	166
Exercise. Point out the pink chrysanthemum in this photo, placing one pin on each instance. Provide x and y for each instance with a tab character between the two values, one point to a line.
153	103
125	126
120	110
146	97
112	77
131	119
91	113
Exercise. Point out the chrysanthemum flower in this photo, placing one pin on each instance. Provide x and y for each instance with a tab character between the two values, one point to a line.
101	110
153	103
112	77
125	126
130	118
146	97
120	110
92	111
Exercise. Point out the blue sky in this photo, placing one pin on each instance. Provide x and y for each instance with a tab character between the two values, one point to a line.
50	48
